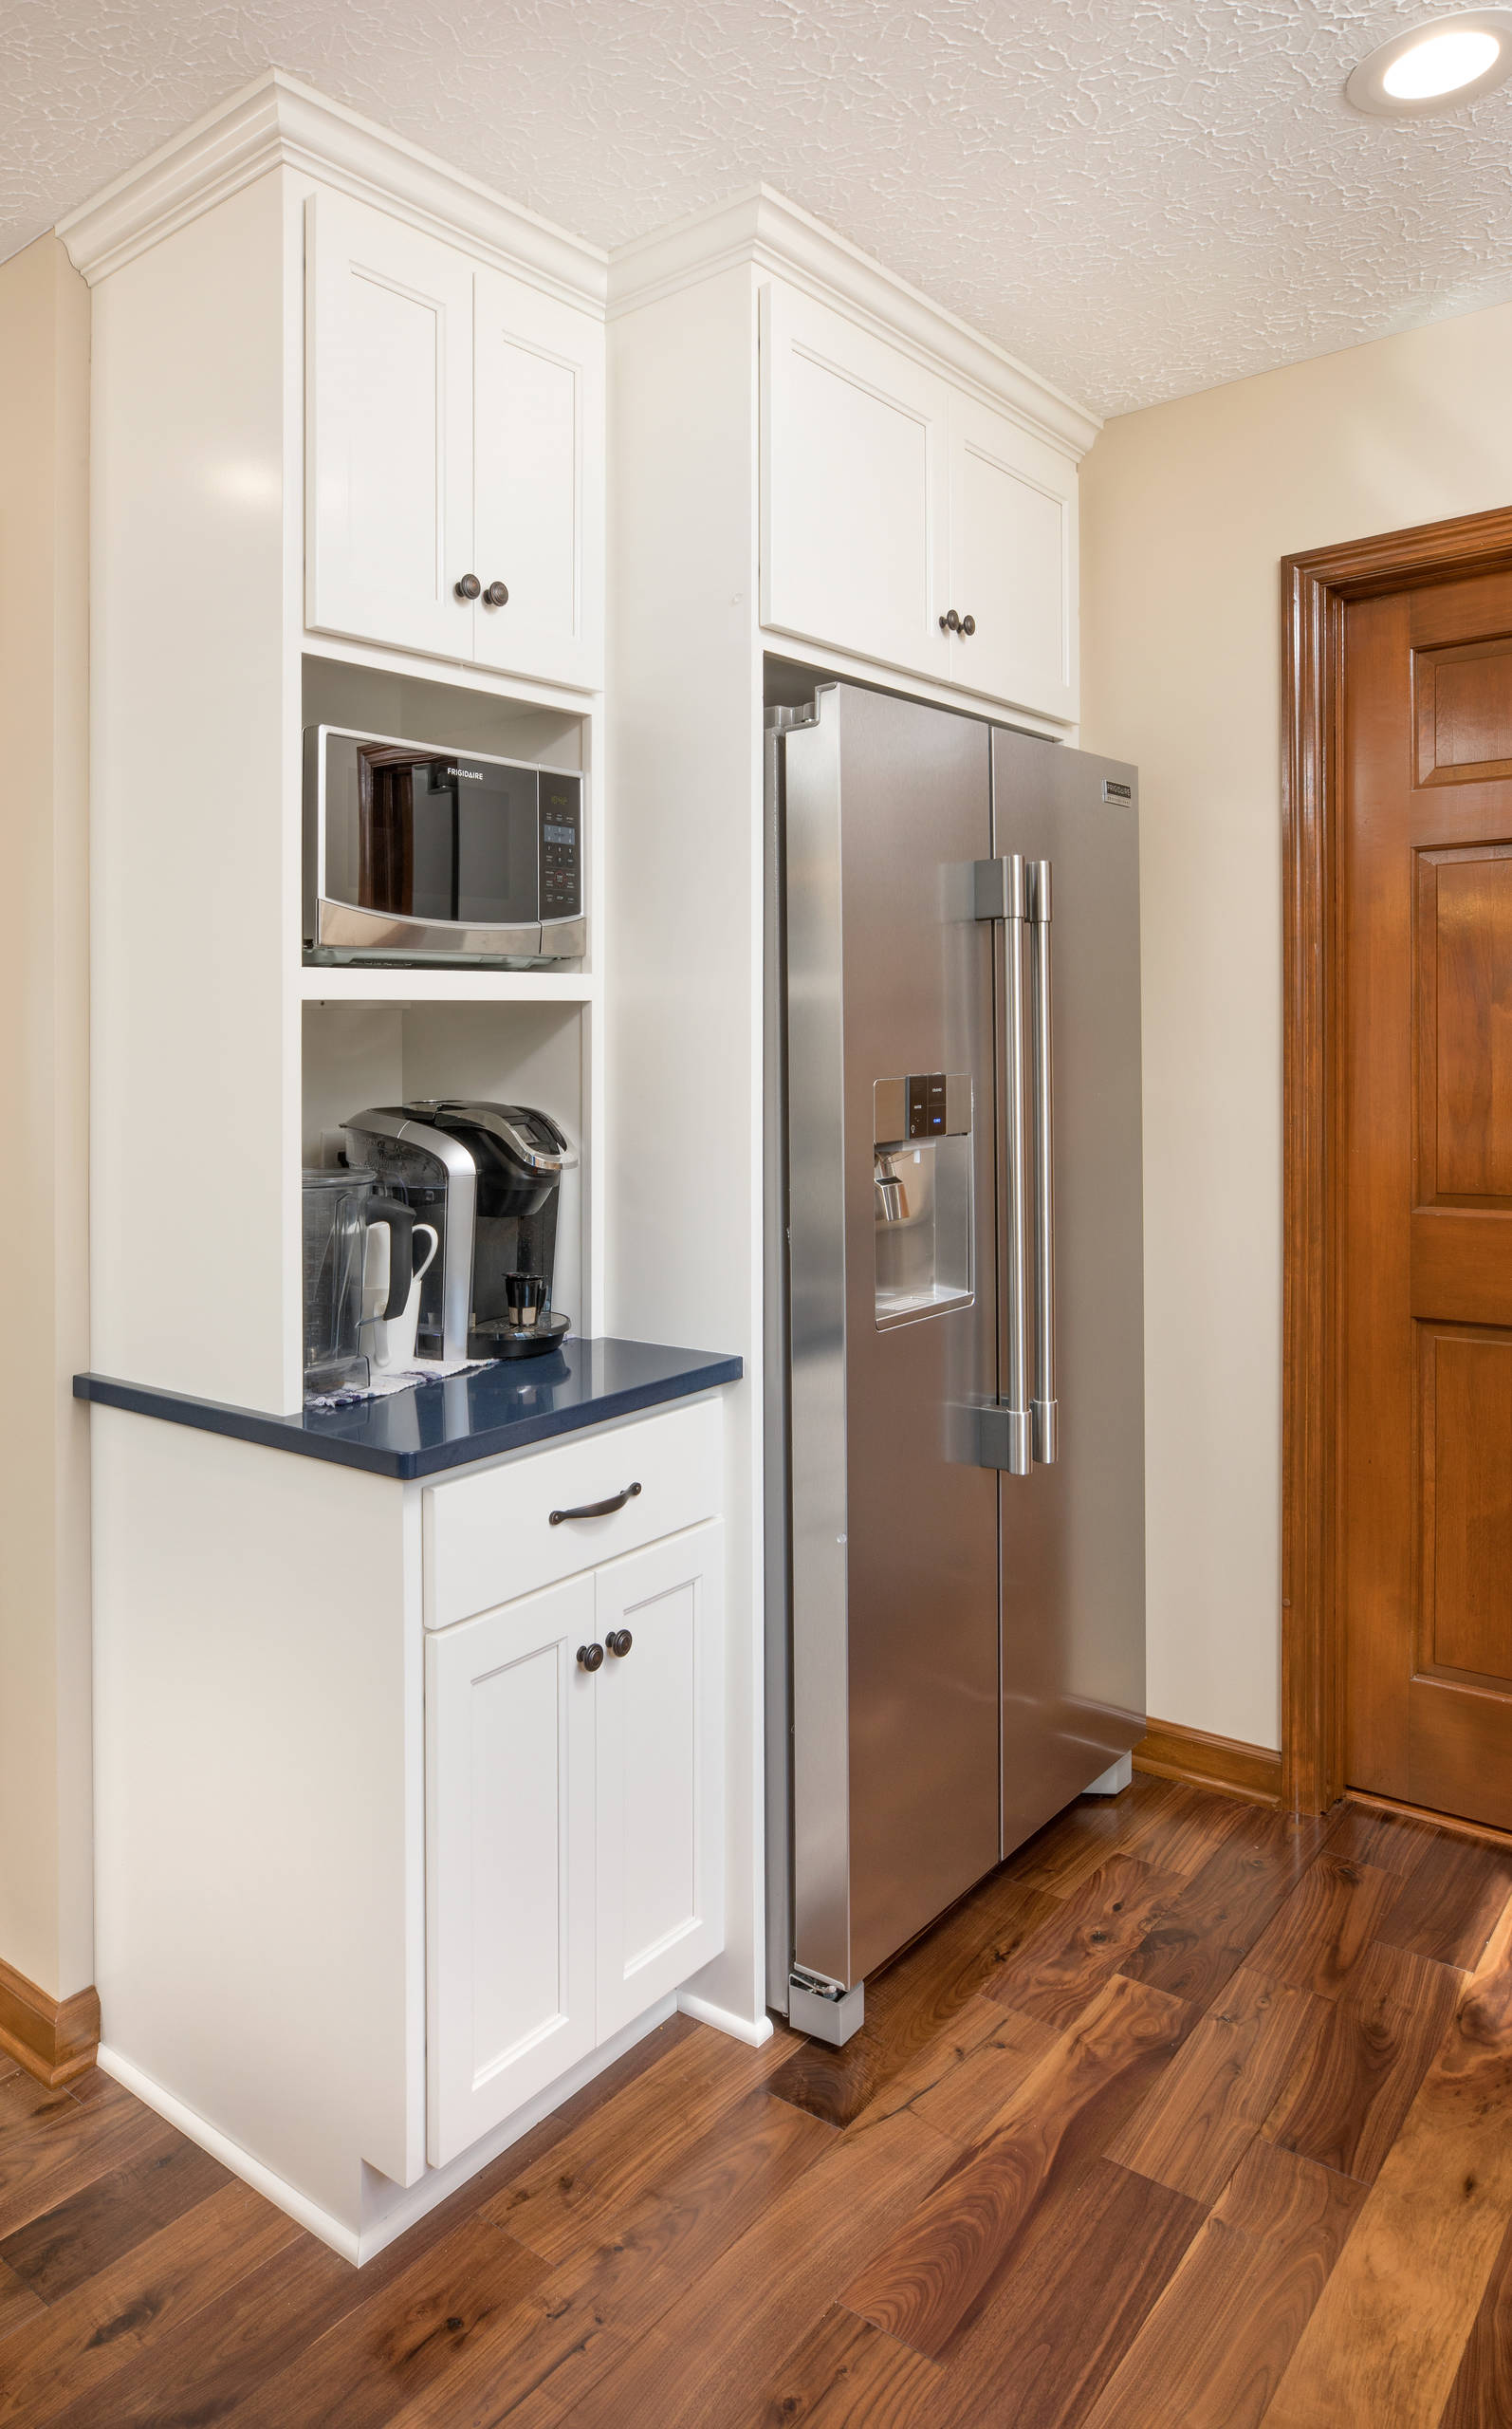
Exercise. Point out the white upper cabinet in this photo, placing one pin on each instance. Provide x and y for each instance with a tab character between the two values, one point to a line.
389	433
1013	555
539	487
455	435
897	505
854	487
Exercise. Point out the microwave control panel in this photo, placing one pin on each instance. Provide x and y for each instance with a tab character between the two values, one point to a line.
561	829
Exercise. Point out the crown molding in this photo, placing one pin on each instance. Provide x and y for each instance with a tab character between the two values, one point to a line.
761	228
278	122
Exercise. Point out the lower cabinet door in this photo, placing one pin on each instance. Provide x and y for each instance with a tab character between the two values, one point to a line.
510	1859
659	1616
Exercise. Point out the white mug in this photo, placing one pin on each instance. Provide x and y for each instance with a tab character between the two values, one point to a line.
391	1346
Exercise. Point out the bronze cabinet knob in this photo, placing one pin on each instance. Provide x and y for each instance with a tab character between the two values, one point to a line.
590	1657
469	588
949	621
968	626
496	595
619	1641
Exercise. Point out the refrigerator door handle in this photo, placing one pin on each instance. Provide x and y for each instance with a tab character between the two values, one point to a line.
1037	878
1001	895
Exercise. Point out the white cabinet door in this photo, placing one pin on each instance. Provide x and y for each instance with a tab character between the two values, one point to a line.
1013	562
853	482
389	430
661	1770
539	519
510	1859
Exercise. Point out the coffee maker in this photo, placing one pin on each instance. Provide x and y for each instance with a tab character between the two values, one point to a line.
488	1178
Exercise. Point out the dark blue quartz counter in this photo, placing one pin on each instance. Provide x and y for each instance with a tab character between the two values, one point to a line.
457	1418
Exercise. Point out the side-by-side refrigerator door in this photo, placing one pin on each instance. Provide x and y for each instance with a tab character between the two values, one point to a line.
893	1323
1071	1529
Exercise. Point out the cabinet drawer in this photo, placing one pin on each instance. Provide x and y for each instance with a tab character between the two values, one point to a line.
488	1538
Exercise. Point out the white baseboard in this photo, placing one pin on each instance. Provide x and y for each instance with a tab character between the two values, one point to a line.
751	2030
392	2208
220	2146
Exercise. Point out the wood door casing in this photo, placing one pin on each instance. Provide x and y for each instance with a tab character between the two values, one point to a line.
1425	1516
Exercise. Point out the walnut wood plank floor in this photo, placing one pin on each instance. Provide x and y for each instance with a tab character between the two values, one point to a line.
1189	2117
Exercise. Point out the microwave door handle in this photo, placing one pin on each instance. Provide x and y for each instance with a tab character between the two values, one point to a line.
1045	1427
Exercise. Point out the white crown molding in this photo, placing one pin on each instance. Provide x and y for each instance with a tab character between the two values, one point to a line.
762	227
279	122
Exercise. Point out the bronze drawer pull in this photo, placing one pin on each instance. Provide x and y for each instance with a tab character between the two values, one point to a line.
597	1509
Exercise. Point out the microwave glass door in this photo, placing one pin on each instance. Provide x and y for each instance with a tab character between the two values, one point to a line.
431	835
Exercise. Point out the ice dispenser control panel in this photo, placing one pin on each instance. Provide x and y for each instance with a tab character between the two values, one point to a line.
921	1174
926	1104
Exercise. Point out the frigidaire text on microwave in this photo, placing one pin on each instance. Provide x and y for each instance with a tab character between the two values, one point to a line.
414	854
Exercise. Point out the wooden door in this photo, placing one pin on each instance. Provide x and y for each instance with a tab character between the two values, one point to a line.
854	487
539	524
388	430
509	1856
661	1769
1426	1473
1013	562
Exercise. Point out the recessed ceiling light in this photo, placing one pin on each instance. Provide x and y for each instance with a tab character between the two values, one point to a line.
1437	67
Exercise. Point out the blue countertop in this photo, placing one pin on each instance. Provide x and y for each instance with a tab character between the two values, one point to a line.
460	1417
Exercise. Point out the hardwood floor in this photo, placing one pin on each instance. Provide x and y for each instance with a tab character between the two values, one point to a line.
1190	2118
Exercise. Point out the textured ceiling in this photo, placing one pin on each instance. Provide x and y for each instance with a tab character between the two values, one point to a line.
1140	197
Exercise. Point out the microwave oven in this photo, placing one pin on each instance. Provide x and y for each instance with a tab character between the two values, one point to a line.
414	854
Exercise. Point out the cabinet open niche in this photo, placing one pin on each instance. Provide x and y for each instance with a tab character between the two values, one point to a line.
368	700
361	1054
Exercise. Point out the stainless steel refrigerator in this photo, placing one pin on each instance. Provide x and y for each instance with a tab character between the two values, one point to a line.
955	1412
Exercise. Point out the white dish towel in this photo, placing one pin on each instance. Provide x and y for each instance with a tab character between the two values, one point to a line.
425	1370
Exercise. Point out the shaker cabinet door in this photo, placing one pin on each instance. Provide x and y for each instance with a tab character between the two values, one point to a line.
539	518
853	479
510	1859
661	1769
1013	562
388	431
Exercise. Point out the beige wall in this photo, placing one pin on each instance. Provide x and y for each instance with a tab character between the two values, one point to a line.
1187	508
45	1918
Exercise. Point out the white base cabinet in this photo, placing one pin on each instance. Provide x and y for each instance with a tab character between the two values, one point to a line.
509	1861
659	1770
575	1843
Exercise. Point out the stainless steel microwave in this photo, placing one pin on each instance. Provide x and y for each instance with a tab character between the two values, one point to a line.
414	853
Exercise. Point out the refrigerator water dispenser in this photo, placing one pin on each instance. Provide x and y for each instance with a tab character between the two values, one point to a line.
921	1130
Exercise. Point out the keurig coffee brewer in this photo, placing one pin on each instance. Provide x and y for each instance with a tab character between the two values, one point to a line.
487	1177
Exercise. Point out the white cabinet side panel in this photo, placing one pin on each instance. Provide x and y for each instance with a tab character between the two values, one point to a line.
195	840
684	981
258	1759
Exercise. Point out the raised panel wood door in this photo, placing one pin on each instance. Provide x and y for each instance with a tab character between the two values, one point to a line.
854	487
1013	562
510	1859
388	431
1426	1504
539	522
661	1769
